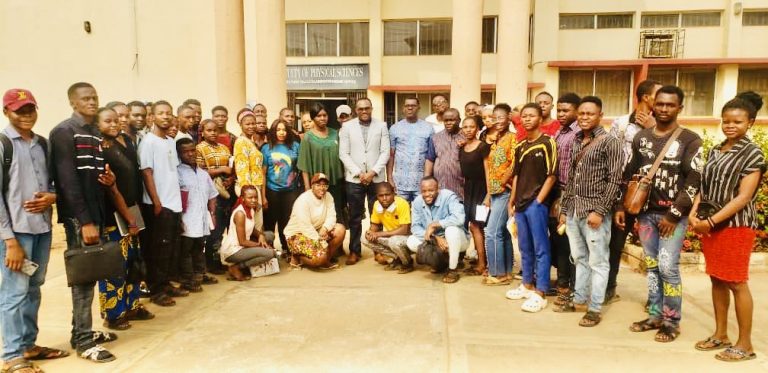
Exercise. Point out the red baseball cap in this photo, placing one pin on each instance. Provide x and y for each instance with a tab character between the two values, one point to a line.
15	98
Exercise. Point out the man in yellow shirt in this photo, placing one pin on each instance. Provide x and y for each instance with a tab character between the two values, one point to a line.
389	230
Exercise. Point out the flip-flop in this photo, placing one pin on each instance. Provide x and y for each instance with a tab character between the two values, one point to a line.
644	326
713	344
493	281
733	355
46	353
19	365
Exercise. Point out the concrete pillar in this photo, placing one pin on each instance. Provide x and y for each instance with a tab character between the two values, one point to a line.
466	52
512	52
264	31
229	59
726	86
376	50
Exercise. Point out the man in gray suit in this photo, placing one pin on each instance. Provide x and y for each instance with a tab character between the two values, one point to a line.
364	151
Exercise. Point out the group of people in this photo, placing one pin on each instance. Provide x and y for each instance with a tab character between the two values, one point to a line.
197	200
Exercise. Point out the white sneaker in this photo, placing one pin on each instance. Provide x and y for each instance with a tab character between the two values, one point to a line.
519	293
534	304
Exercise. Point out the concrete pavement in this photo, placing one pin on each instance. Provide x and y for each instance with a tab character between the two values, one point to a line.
363	318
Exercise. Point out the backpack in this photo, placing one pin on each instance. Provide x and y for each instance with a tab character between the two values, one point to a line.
429	253
8	158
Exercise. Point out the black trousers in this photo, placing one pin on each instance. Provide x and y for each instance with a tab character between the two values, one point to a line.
279	211
191	260
616	246
561	257
357	194
160	236
213	241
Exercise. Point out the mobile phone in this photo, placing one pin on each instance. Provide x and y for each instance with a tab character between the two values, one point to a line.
29	267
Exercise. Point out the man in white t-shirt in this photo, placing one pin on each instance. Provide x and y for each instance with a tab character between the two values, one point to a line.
161	205
439	106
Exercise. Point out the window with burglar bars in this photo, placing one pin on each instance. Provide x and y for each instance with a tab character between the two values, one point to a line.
317	39
418	38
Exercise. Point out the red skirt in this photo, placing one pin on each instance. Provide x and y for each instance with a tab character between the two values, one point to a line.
727	253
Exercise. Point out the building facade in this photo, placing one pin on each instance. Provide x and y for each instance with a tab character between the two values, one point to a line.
294	52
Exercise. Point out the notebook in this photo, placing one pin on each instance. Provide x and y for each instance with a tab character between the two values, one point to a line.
122	225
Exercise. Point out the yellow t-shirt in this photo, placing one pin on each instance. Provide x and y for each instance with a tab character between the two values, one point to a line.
398	213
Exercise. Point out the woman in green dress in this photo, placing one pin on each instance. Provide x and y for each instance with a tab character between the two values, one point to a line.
319	152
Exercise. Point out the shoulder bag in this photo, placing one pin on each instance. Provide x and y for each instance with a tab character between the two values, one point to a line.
639	187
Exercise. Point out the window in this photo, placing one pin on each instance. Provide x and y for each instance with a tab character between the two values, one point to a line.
676	20
754	80
697	84
612	86
614	20
702	19
417	38
591	21
326	39
755	18
489	35
577	21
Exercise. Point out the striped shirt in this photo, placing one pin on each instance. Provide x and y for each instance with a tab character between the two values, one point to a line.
723	173
443	151
564	138
593	183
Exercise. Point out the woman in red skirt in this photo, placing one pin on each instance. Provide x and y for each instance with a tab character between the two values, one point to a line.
724	214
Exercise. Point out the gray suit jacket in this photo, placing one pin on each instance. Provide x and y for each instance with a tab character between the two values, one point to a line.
358	155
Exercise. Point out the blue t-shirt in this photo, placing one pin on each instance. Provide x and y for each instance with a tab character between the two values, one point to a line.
280	161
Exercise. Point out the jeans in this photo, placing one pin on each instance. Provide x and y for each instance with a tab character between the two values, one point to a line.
498	243
213	242
192	260
589	249
161	235
20	295
408	195
533	240
252	256
561	256
82	295
394	247
662	259
279	212
357	194
457	239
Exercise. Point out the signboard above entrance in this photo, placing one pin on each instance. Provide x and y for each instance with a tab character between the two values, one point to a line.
327	77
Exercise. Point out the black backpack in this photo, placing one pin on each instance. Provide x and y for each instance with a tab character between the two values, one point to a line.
428	253
8	158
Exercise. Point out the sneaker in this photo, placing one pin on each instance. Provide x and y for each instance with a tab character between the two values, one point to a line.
535	303
96	354
519	293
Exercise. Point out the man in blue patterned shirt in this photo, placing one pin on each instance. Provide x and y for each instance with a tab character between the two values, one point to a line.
409	139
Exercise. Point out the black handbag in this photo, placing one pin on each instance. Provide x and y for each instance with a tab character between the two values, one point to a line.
91	263
709	208
428	253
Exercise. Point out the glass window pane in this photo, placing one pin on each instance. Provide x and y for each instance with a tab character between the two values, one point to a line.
487	97
699	88
613	87
577	21
702	19
294	39
576	81
321	39
400	38
660	20
755	19
663	76
614	20
435	37
489	35
353	39
754	80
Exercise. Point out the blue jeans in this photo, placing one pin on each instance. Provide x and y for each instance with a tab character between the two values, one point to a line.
533	239
498	243
589	250
662	259
20	295
408	195
82	295
357	194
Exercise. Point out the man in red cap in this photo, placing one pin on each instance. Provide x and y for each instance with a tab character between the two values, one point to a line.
25	231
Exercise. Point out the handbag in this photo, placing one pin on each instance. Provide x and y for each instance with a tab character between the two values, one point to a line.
90	263
270	267
428	253
639	186
707	209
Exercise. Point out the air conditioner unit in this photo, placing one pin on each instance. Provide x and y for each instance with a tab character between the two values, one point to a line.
661	43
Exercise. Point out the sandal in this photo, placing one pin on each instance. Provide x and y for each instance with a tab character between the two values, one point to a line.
451	277
644	326
711	344
21	364
735	354
472	271
570	306
208	280
667	334
535	303
329	267
394	266
163	300
406	268
119	324
44	353
495	281
563	298
590	319
140	314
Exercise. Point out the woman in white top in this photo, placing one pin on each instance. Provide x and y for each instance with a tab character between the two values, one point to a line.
312	231
246	243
